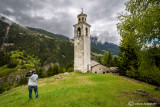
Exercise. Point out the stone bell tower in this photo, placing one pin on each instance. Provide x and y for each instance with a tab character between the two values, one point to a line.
82	48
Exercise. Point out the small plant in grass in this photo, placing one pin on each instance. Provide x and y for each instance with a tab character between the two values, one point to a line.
107	71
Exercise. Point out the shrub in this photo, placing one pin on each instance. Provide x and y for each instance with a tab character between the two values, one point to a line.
71	69
107	71
4	58
40	73
12	64
4	87
69	65
63	70
23	81
53	70
151	75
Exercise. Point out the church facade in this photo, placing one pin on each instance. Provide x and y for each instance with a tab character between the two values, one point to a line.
82	47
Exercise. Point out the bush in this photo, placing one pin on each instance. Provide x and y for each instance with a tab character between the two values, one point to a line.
23	81
69	65
149	70
63	70
40	73
53	70
12	64
71	69
107	71
7	71
4	58
4	87
151	75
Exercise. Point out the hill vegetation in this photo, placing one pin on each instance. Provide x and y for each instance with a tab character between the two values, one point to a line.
48	33
81	90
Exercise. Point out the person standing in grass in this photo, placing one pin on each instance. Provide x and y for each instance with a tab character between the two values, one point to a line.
32	82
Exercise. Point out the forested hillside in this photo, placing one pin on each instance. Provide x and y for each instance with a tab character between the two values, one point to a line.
110	47
48	33
46	48
3	27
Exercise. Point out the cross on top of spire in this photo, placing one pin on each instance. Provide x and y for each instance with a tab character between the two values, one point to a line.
82	10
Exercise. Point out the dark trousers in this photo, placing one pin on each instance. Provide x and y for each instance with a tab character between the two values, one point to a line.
30	91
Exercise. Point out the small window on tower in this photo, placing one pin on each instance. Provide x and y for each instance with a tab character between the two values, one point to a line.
82	18
78	32
79	19
86	31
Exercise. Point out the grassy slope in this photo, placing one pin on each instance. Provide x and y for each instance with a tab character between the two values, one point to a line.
79	90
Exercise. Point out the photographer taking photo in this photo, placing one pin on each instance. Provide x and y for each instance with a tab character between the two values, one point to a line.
32	82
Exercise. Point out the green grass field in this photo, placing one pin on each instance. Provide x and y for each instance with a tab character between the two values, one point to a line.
79	90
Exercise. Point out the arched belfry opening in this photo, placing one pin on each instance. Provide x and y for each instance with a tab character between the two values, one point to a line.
79	32
82	48
82	18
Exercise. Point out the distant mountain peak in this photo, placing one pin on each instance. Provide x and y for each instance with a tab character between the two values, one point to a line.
106	46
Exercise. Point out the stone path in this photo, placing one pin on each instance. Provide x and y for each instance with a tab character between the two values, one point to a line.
6	35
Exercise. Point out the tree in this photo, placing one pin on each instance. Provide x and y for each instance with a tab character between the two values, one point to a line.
4	58
115	61
105	58
109	60
149	69
136	29
139	27
143	19
99	59
129	54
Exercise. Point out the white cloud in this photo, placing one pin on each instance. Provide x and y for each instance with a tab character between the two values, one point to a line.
59	16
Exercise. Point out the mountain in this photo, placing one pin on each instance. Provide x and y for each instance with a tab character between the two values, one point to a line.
49	48
113	48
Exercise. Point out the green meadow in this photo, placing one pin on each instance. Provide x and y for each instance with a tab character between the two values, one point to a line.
80	90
